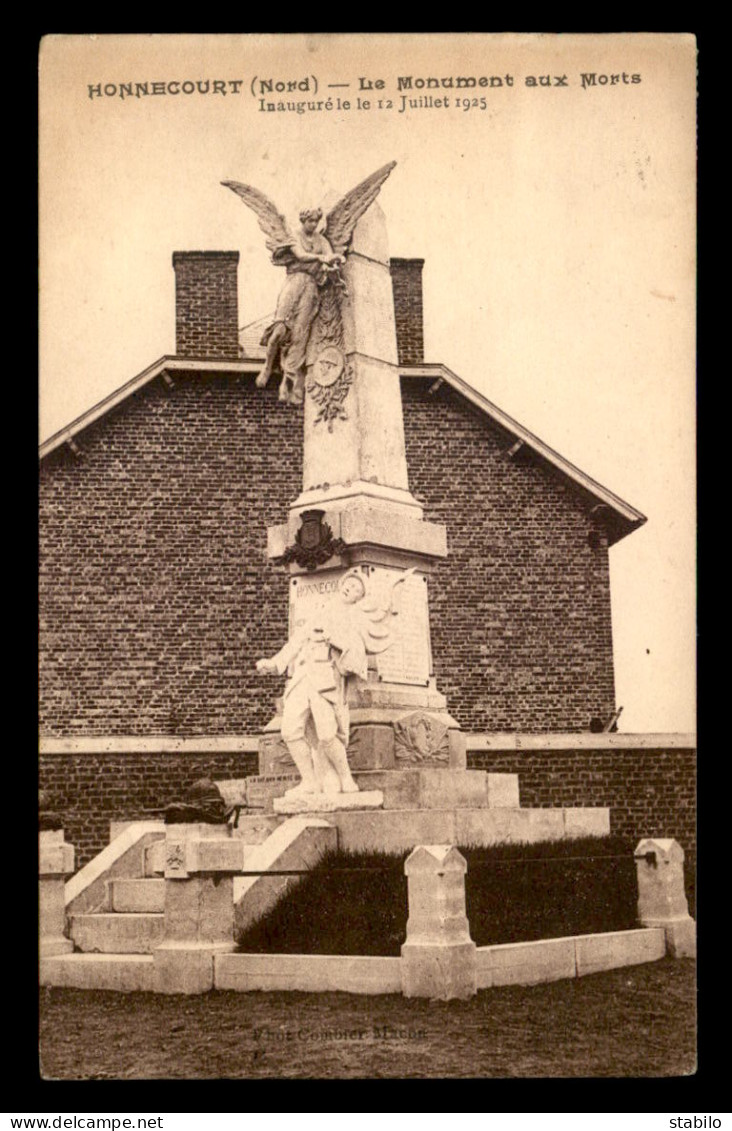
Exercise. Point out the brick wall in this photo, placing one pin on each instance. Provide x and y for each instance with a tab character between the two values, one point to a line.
520	610
206	304
157	597
90	790
406	285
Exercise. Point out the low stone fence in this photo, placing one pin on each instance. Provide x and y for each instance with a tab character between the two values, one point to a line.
514	964
438	958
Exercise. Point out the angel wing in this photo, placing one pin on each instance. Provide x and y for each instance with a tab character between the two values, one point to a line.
342	219
378	630
272	222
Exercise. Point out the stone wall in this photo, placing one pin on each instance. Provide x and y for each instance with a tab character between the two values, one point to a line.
156	595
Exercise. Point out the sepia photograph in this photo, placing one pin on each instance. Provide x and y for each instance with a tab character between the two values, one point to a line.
367	705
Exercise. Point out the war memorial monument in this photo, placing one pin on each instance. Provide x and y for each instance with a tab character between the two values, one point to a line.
361	750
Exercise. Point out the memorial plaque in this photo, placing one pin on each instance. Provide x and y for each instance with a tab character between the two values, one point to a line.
263	788
408	657
310	592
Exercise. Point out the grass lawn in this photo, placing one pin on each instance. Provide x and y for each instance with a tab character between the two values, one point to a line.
637	1021
356	903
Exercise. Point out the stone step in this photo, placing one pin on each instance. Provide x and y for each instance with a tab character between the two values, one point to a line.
114	933
429	788
408	787
136	895
399	830
126	973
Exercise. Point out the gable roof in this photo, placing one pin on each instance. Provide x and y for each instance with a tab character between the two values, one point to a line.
618	517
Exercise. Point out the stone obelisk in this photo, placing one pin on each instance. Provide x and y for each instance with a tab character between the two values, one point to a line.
356	512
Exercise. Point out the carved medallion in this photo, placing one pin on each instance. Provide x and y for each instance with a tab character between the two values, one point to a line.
328	367
419	738
328	385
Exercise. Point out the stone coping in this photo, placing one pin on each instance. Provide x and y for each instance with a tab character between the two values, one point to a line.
583	741
521	964
153	744
249	744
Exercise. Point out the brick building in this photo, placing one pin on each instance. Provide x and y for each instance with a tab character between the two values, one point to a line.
157	596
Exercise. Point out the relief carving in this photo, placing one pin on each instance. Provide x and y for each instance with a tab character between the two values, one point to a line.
420	738
308	316
175	858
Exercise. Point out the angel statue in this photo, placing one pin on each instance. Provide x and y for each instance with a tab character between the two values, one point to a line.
332	646
313	261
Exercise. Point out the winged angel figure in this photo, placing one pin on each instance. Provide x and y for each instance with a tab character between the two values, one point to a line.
314	261
322	654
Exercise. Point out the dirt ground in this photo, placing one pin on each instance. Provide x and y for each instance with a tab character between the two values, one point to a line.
634	1022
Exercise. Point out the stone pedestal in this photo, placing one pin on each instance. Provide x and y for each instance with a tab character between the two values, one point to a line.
329	802
439	959
55	864
661	897
200	861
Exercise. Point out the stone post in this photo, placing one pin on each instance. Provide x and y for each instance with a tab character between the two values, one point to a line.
439	958
661	898
55	863
200	861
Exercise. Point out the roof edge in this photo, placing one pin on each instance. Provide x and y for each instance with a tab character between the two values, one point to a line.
629	515
168	362
628	518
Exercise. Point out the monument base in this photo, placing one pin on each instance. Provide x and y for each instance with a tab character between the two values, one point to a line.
413	787
329	802
392	727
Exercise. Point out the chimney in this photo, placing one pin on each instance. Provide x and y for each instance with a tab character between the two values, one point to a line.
206	304
406	283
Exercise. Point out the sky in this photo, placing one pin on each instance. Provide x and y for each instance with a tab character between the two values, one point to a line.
556	218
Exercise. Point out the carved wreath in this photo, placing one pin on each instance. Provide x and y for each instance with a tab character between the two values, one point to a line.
330	398
420	738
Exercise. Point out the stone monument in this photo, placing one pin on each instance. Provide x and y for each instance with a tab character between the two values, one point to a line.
355	523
